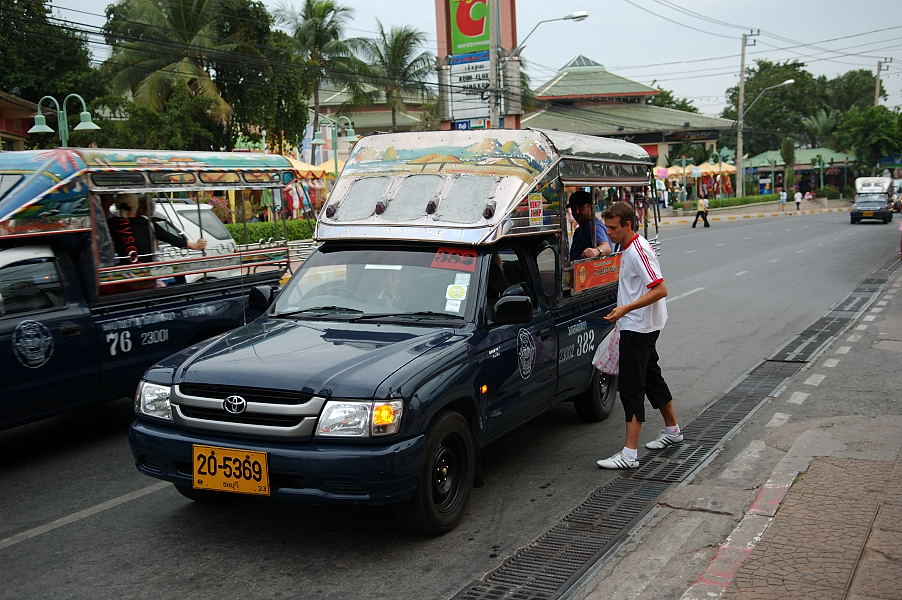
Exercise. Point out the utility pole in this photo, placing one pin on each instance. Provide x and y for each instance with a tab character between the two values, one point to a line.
494	79
740	171
881	66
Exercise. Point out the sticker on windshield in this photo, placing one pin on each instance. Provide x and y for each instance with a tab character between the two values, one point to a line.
459	259
32	344
452	306
461	279
456	292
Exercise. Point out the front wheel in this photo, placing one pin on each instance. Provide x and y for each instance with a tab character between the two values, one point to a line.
446	479
597	402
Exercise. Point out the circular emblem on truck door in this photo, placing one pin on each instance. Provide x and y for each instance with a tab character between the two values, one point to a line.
234	405
32	344
526	353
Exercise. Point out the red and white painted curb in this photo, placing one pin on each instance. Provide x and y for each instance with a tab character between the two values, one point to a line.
732	554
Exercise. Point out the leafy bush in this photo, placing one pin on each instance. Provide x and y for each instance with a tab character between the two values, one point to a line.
830	191
248	233
725	202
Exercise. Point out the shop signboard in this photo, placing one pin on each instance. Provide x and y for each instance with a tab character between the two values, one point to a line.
469	21
469	82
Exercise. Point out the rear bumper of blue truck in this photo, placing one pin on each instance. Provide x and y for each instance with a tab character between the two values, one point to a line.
310	471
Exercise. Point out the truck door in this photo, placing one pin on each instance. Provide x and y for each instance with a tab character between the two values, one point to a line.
45	336
520	365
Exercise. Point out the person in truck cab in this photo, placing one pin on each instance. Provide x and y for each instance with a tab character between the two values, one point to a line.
134	235
590	239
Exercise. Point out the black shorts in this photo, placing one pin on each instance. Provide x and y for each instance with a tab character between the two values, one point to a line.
640	375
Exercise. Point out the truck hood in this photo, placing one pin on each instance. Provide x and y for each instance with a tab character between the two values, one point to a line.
328	358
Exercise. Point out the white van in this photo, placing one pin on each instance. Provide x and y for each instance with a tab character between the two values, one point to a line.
193	221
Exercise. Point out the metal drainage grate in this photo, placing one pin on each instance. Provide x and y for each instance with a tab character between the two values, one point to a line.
671	464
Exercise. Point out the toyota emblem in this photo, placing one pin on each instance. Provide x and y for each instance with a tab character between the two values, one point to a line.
234	405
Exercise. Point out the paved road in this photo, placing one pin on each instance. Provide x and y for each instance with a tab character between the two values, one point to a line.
738	291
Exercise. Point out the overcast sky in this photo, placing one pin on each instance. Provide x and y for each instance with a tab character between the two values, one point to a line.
697	59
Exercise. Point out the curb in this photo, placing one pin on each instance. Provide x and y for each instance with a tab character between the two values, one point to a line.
684	220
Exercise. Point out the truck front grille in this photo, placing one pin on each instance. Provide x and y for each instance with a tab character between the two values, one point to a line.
249	419
251	394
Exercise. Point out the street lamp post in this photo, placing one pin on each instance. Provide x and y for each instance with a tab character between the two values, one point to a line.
494	62
62	119
740	170
334	125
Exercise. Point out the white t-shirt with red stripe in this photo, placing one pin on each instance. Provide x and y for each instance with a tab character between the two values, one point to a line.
639	272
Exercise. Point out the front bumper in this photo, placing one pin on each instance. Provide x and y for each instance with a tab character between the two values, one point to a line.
310	471
879	215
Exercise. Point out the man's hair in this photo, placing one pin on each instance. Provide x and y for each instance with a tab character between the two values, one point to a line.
620	209
578	198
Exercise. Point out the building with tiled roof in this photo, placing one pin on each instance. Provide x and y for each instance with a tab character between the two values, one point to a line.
584	97
16	116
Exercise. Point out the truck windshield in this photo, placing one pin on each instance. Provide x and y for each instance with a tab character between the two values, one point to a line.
403	285
870	198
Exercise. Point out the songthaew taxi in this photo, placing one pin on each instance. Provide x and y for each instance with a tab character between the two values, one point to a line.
440	312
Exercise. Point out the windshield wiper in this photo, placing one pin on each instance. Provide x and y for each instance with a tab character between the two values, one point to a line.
323	310
418	315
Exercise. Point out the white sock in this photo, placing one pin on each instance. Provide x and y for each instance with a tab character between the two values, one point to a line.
675	430
630	453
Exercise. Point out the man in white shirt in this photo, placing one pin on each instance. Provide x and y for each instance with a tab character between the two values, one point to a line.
641	313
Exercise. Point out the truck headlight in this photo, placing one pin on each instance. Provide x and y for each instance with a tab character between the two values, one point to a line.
152	400
346	418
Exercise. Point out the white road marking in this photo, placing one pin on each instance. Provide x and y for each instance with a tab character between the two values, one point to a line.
721	244
882	303
815	379
775	260
831	362
861	327
876	310
689	251
778	420
819	245
868	318
853	337
82	514
683	295
843	350
747	238
797	397
888	296
799	251
740	273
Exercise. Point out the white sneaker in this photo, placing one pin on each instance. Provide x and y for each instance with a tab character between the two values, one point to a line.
664	439
618	461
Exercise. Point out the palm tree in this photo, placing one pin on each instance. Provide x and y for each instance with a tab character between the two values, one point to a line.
393	65
820	127
317	31
167	46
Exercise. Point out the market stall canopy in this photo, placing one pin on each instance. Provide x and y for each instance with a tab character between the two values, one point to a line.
677	170
306	170
328	167
716	168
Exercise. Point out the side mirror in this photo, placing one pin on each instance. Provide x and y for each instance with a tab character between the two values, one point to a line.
513	309
260	297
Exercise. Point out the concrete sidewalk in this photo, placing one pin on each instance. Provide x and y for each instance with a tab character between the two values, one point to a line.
759	211
813	510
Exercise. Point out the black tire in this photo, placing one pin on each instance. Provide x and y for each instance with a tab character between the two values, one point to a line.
446	479
203	496
597	402
854	220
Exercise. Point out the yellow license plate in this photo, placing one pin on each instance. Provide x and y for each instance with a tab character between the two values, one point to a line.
867	213
230	470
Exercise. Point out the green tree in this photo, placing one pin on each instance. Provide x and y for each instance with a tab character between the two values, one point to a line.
820	128
871	134
395	65
317	32
668	100
788	154
166	45
852	88
778	112
42	55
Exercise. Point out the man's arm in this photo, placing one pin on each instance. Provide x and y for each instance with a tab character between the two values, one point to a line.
658	292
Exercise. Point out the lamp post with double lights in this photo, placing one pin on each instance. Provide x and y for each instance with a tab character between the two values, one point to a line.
62	119
494	55
740	170
334	124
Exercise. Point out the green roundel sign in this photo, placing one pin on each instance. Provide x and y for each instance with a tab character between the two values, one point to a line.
469	26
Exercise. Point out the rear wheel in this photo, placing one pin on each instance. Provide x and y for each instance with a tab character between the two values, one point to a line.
446	479
597	402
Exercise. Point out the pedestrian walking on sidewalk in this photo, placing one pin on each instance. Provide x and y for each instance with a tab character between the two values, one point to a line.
782	199
798	199
702	205
641	314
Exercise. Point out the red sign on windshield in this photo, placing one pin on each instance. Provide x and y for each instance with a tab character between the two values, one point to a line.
459	259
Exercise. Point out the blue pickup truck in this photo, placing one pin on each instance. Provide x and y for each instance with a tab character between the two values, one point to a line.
79	324
440	312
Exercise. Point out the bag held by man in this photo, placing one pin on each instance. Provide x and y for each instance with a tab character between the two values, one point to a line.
607	355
